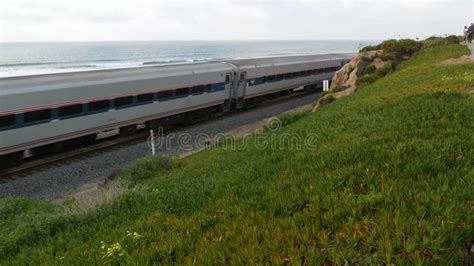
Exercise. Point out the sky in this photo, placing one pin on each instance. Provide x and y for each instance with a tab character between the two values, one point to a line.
141	20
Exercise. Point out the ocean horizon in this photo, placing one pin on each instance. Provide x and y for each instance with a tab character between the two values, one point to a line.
32	58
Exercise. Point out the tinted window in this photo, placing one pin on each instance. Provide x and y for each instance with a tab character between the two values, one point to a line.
295	74
280	76
99	105
227	78
7	120
271	78
147	97
162	95
70	110
182	92
123	101
209	87
36	116
288	76
264	79
197	89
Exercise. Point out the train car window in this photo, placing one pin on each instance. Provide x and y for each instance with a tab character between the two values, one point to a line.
295	74
70	110
7	121
242	77
271	78
164	95
264	79
197	89
35	116
182	92
99	105
308	72
123	101
288	76
227	79
146	97
280	76
209	87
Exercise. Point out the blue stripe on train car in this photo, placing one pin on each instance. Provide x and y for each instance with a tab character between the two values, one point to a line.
255	81
218	86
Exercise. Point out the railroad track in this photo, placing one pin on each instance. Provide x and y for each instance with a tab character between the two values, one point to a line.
43	163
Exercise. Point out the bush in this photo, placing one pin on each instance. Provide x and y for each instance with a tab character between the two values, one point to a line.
350	71
370	48
439	41
339	88
367	79
453	39
369	69
283	120
400	49
326	100
366	59
385	70
150	167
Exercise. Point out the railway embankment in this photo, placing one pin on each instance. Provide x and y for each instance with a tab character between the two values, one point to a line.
382	176
376	61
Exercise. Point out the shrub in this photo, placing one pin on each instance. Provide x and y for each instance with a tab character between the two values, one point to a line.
339	88
453	39
367	79
370	48
326	100
400	49
283	120
350	71
150	167
288	118
439	41
366	59
369	69
386	69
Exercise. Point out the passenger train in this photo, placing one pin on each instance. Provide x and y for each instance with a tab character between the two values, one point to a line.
47	112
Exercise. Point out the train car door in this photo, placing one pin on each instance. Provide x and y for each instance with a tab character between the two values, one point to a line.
228	86
241	86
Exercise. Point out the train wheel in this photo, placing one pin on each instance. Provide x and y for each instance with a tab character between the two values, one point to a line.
128	130
11	160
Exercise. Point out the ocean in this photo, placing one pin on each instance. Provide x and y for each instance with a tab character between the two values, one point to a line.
19	59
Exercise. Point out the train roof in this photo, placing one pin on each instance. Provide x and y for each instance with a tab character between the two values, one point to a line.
283	60
117	74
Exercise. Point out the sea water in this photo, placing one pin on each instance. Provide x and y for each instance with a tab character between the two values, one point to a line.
19	59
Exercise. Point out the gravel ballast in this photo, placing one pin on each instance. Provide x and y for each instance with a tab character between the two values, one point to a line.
60	180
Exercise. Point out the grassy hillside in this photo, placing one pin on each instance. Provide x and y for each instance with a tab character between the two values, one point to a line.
388	179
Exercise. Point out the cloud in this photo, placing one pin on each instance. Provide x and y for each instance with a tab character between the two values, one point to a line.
96	20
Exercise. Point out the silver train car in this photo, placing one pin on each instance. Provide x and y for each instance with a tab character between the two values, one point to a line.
45	112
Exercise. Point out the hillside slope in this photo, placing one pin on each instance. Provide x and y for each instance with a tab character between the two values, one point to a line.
383	175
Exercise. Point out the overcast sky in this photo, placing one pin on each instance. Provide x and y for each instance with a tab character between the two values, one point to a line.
117	20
